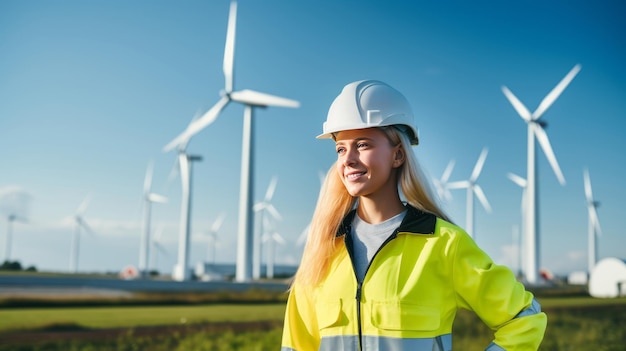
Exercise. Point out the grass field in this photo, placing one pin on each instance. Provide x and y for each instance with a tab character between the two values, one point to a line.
135	316
576	322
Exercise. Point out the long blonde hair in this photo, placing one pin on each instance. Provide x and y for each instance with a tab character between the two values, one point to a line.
334	202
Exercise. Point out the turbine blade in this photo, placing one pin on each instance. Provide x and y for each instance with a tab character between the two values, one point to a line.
595	222
259	206
152	197
519	107
479	165
229	49
209	117
554	94
218	222
482	198
322	177
147	182
255	98
517	179
159	233
270	189
303	236
447	172
83	205
279	239
197	125
160	248
272	210
174	171
459	185
588	192
87	227
542	137
438	186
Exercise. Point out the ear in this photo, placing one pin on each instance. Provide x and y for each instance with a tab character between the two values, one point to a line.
398	158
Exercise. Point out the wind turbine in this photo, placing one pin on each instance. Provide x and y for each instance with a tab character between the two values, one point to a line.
263	207
305	233
272	237
473	188
157	243
148	198
184	161
212	236
521	182
14	202
536	130
441	184
8	239
517	244
594	224
79	222
250	99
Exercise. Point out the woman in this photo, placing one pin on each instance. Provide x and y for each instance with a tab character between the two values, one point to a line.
385	272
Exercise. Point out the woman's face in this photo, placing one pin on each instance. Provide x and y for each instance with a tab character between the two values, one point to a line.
366	161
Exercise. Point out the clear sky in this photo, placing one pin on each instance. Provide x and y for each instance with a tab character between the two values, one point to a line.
90	93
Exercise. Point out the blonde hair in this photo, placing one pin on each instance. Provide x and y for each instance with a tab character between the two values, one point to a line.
334	203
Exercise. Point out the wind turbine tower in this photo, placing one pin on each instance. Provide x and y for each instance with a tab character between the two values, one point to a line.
148	198
263	207
182	271
473	188
79	223
272	238
594	224
12	218
14	203
212	237
250	99
521	182
536	131
184	161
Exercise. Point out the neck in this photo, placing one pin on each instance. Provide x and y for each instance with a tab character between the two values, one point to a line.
375	211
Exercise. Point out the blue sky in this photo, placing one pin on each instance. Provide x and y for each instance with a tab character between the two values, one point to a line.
90	92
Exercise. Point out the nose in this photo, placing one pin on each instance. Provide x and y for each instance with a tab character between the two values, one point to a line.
350	157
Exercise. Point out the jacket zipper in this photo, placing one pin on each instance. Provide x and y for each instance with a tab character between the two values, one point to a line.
359	287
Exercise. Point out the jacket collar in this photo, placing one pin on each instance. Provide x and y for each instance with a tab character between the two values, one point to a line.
416	221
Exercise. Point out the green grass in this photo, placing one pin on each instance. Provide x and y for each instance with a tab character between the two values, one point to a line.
133	316
574	323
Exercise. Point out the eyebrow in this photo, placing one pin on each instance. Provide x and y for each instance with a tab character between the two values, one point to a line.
353	140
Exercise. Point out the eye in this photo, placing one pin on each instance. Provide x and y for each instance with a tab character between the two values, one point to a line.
340	150
362	145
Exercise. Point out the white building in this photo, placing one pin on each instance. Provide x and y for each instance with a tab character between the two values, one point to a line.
608	278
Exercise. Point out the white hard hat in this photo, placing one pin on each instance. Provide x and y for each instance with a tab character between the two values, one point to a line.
367	104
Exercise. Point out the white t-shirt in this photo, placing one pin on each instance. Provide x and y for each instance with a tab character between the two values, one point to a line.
367	239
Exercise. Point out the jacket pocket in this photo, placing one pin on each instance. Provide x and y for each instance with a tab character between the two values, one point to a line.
328	313
398	315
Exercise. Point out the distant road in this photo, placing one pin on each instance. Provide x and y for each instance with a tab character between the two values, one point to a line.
23	285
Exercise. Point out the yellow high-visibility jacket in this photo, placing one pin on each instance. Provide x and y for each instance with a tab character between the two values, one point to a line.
424	272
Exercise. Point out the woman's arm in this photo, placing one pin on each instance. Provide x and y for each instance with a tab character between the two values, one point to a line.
494	294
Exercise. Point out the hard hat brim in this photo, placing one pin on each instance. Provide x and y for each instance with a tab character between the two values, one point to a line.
410	132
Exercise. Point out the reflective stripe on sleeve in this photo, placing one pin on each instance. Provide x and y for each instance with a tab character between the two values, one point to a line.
385	343
534	308
494	347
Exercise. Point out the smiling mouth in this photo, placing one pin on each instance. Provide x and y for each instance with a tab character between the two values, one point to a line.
354	176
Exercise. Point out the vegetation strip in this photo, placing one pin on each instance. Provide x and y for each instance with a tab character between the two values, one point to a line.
73	332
